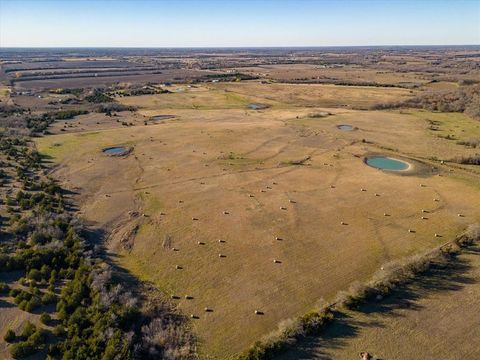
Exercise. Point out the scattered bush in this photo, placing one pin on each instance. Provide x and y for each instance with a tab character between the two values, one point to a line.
28	330
109	108
33	340
38	338
98	97
473	143
45	318
74	91
4	288
14	292
288	333
58	330
49	298
65	114
10	336
33	304
22	349
472	235
34	274
468	159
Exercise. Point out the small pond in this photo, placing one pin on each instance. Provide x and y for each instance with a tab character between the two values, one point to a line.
254	106
345	127
116	150
387	163
162	117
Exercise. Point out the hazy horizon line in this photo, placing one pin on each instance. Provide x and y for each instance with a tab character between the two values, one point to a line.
236	47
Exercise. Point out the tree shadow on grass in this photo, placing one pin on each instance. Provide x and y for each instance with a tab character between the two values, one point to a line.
11	277
6	304
158	305
440	278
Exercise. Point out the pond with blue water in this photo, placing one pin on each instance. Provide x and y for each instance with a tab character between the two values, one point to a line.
345	127
387	163
116	150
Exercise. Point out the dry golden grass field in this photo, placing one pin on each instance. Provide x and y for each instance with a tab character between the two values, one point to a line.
206	201
289	72
432	319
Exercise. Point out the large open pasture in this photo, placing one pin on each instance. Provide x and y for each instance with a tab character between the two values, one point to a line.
430	320
237	210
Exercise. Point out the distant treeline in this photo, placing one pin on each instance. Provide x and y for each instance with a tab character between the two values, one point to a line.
79	76
349	83
73	91
230	77
109	108
466	100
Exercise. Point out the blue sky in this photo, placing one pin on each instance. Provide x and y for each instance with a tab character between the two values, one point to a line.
204	23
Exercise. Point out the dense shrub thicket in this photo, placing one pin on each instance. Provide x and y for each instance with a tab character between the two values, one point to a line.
465	99
110	108
98	97
39	123
468	159
73	91
98	317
